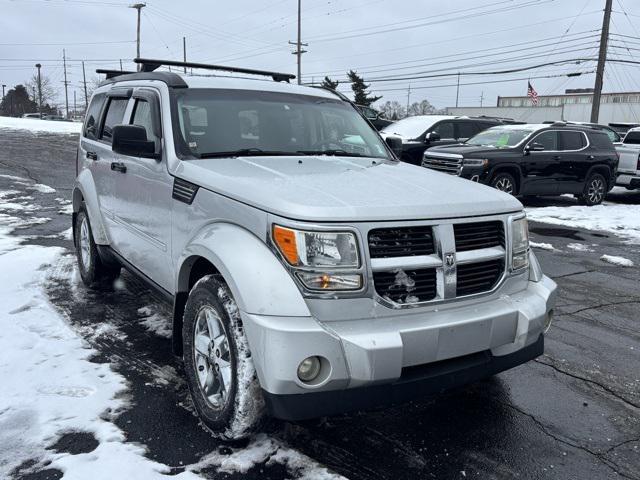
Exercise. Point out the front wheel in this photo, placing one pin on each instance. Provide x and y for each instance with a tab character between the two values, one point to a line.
218	365
504	182
594	190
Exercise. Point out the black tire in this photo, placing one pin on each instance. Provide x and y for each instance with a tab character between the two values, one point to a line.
234	408
92	269
595	189
504	182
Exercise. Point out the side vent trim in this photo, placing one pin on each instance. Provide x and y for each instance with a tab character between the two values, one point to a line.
184	191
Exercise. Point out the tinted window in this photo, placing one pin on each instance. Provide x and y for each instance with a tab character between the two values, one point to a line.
142	116
601	140
571	141
93	115
467	129
444	129
115	115
632	138
549	140
613	136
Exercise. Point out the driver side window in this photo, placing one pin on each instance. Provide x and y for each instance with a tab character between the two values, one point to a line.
549	140
444	129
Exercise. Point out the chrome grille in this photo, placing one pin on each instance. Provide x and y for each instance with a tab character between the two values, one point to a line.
451	164
422	264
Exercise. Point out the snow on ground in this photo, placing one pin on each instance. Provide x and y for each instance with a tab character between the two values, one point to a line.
619	219
51	388
580	247
614	260
37	125
155	322
542	246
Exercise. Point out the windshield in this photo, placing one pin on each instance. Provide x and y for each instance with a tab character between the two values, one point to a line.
500	137
410	127
227	122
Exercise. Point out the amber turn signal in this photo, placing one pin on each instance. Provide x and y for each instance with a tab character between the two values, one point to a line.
285	239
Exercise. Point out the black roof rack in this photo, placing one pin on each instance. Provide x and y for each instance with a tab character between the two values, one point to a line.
149	65
112	73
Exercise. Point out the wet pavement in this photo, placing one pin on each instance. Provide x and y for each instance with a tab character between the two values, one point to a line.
572	414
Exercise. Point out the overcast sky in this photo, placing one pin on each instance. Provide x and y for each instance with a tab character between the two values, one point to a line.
382	39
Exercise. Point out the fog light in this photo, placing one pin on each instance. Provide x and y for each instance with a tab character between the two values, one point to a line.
309	369
547	321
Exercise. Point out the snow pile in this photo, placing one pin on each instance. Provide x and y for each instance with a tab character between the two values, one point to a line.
620	261
154	322
37	125
619	219
542	246
580	247
265	450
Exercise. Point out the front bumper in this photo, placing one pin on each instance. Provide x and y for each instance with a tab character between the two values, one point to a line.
448	346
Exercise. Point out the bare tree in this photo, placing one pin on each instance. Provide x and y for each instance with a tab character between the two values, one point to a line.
49	92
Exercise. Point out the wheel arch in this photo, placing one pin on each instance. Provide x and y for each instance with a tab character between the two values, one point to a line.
510	168
605	171
258	281
84	190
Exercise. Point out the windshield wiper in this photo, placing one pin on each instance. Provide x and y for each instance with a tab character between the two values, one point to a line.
246	152
335	152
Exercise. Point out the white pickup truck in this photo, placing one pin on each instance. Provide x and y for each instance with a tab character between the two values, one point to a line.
629	165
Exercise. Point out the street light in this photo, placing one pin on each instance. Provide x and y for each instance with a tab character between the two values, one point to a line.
38	66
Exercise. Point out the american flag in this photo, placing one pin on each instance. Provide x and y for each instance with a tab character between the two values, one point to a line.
531	93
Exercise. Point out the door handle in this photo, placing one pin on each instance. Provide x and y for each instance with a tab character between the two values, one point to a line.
118	167
92	155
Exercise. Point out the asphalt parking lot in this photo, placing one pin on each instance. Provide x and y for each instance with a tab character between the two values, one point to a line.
572	414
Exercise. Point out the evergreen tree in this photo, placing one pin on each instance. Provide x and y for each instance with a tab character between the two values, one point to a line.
360	94
328	83
17	102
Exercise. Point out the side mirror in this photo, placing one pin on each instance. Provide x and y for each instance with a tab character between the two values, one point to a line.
432	137
395	144
534	147
131	140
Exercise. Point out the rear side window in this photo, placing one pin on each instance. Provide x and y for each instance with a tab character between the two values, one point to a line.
93	116
601	140
115	115
444	129
572	141
549	140
467	129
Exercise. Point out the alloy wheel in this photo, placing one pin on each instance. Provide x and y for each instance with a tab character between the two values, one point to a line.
595	192
85	243
504	184
212	357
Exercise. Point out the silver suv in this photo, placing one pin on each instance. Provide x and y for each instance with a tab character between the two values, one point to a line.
310	271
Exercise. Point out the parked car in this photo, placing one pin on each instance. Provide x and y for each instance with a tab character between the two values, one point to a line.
34	115
424	131
376	118
614	136
623	127
629	167
534	159
308	277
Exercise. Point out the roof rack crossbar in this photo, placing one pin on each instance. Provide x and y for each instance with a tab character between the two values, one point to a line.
149	65
112	73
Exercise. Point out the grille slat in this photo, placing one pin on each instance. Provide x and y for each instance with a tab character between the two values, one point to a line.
451	166
479	277
473	236
408	286
400	242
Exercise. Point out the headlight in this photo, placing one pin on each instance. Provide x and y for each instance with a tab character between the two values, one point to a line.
475	162
321	260
519	244
317	249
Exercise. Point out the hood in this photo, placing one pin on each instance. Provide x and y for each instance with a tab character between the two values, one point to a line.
464	149
336	189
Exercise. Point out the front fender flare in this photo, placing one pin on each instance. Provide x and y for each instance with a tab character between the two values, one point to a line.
85	190
259	282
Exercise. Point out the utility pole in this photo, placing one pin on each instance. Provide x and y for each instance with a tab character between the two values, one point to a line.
38	66
408	95
298	52
66	83
138	7
481	98
84	81
184	52
602	58
120	64
3	85
458	89
75	112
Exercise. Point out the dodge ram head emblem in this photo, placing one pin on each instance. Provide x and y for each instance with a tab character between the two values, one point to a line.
450	259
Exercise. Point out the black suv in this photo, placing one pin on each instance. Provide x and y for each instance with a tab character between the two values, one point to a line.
534	160
423	131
